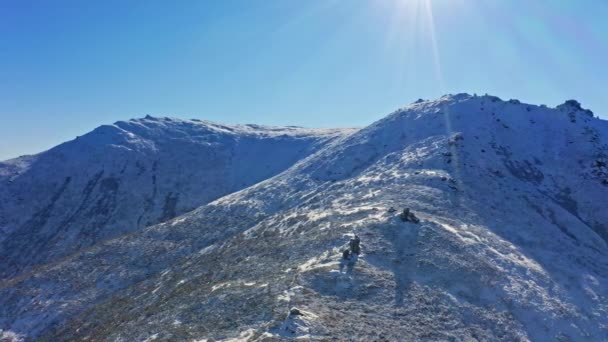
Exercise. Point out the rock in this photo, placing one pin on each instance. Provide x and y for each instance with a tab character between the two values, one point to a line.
295	312
572	106
408	216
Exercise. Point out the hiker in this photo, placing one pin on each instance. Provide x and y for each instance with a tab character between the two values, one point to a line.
405	215
355	244
346	254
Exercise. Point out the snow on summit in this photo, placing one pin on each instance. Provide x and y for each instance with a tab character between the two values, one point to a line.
504	235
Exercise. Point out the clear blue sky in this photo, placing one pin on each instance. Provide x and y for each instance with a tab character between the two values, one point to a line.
69	66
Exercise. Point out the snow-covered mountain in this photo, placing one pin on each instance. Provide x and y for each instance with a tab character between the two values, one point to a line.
512	243
120	178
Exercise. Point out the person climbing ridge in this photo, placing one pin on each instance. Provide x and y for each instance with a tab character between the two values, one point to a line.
354	244
346	254
354	247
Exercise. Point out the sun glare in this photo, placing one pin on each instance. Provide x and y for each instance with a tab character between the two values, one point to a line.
412	23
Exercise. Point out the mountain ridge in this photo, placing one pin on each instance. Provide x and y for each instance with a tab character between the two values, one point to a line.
510	245
162	167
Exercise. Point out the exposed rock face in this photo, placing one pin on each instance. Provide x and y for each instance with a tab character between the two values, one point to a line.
500	253
122	177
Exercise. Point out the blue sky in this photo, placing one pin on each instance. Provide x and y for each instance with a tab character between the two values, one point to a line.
69	66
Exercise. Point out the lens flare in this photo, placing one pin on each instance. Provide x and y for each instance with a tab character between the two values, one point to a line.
413	24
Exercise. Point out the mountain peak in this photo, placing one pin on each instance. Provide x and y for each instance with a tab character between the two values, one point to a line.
451	99
508	242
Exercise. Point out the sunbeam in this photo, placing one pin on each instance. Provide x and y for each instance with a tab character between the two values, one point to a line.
411	30
413	24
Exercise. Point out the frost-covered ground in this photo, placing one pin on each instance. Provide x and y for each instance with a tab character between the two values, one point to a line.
512	243
120	178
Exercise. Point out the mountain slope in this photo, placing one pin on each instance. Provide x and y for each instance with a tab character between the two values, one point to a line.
122	177
511	244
